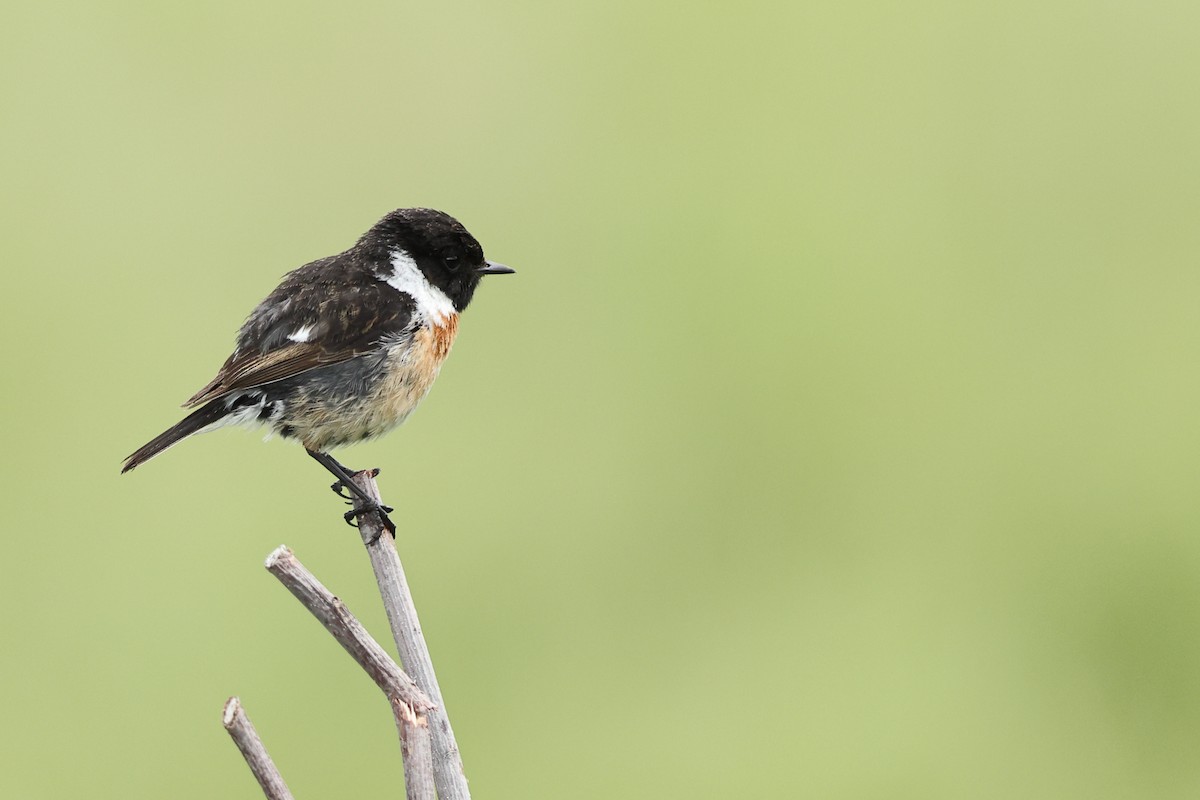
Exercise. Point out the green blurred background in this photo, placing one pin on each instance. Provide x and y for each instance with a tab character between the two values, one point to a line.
837	437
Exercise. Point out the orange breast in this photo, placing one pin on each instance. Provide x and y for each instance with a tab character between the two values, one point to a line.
408	374
442	337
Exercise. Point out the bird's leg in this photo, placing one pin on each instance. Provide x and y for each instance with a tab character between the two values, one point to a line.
345	486
342	488
346	481
341	491
344	475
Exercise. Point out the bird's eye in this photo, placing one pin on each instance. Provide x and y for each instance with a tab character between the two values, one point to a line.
451	262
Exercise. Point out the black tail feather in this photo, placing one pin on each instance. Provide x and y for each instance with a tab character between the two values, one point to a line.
196	421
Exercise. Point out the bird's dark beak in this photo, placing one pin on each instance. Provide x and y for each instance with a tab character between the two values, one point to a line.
492	268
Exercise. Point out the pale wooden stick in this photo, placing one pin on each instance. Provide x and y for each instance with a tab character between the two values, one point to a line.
414	653
415	749
257	758
411	707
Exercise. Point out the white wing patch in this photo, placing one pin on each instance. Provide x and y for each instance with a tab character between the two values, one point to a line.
432	302
301	334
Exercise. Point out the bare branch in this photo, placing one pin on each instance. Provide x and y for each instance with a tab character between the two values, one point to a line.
257	758
410	643
337	619
410	706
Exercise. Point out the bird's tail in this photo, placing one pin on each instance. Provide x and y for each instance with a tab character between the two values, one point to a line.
194	422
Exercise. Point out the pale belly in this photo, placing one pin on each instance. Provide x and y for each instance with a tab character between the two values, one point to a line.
323	419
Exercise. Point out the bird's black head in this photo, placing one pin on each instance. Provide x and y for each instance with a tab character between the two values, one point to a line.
448	256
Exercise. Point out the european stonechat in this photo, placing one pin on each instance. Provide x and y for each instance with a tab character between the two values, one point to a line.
346	346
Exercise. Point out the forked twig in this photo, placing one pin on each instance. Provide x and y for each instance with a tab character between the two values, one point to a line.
410	706
410	643
432	764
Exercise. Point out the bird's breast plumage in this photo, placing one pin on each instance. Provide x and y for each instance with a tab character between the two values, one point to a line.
408	374
323	416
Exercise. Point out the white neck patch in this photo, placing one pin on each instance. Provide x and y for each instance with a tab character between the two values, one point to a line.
432	302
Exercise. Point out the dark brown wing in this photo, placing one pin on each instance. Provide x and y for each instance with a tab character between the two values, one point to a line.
244	370
323	313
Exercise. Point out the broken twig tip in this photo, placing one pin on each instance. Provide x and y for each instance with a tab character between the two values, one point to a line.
232	705
281	552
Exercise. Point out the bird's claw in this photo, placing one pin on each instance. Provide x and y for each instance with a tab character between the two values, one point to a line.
353	514
353	494
343	491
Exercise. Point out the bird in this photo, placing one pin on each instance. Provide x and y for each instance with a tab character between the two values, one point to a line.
347	346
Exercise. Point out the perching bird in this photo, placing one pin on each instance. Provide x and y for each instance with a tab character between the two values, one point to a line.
346	346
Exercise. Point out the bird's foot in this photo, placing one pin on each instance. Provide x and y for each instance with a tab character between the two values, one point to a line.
352	493
353	514
344	491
